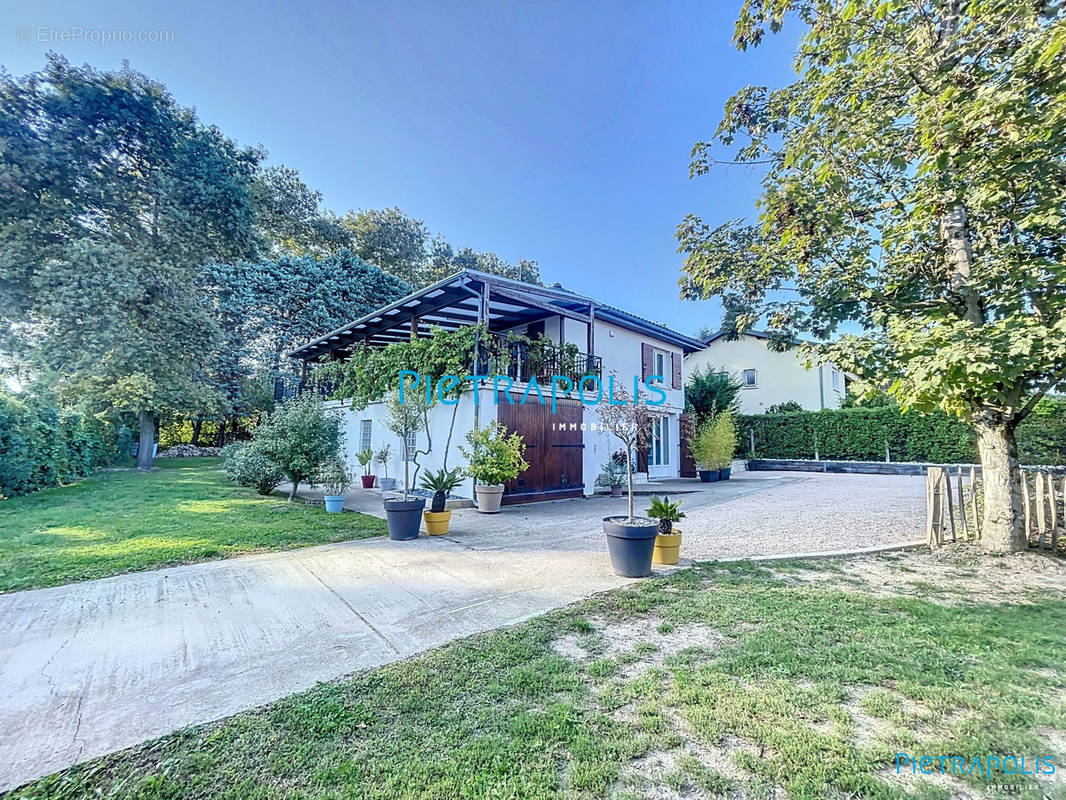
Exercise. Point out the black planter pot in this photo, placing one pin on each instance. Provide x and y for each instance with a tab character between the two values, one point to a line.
631	546
724	474
708	475
404	517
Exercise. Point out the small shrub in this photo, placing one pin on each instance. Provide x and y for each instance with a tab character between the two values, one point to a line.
494	456
247	465
298	436
714	441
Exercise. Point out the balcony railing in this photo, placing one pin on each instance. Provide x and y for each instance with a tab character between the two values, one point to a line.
521	359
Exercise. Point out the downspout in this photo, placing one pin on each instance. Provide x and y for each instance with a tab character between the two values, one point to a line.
821	390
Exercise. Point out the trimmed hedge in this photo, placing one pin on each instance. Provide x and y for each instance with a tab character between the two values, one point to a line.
861	434
42	445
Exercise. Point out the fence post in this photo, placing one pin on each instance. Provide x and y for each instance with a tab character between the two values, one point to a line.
933	511
751	437
1025	503
1038	491
949	504
973	503
962	503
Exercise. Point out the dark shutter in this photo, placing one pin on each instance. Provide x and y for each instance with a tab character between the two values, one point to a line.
647	359
676	382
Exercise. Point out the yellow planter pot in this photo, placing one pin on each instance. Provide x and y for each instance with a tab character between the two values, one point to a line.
437	521
667	548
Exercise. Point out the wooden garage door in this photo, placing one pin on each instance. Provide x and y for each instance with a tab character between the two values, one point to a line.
554	449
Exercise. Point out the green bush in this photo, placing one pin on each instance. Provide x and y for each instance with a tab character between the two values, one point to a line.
494	456
42	445
245	464
298	436
862	433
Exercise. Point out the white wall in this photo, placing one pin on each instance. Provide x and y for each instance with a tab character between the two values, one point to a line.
440	419
781	376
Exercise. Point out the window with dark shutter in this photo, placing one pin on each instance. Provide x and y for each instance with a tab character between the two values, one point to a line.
647	358
676	382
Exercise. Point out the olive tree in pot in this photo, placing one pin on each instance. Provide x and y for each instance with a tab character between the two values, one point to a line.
630	539
384	455
494	458
365	458
441	483
334	477
404	419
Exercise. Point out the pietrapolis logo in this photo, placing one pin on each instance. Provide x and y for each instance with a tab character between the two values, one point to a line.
590	389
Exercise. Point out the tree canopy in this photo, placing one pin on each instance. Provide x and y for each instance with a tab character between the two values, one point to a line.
913	185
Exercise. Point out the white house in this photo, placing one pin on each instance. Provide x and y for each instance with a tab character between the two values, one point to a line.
769	377
565	449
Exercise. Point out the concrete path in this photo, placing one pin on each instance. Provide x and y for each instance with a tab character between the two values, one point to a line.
95	667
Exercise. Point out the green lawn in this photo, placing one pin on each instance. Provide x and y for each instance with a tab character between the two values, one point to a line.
721	681
123	520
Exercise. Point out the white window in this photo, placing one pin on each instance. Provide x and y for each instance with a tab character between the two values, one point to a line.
659	446
750	379
365	427
412	444
836	379
660	366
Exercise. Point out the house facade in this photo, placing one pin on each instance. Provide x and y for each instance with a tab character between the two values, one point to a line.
577	334
769	377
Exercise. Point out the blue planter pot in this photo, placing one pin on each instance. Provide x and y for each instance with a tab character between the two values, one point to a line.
334	503
708	475
631	546
724	474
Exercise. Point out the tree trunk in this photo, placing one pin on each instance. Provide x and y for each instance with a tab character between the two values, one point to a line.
144	449
196	426
629	475
1003	529
221	434
292	491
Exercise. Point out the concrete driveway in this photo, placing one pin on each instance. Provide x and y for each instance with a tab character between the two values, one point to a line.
95	667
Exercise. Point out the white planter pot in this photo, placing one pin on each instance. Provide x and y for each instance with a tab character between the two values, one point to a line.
488	498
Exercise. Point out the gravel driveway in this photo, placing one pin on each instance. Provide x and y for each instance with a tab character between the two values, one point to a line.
805	513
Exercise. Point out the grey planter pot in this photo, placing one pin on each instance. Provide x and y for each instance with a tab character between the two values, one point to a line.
404	517
489	498
631	546
387	484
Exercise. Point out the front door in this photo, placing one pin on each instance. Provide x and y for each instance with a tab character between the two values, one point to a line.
554	448
660	460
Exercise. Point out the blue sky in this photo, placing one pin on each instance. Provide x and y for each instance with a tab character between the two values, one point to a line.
557	131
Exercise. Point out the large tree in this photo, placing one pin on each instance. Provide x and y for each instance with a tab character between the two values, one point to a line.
915	184
111	197
392	240
290	218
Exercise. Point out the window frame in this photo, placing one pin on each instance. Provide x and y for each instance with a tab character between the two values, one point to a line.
366	434
744	378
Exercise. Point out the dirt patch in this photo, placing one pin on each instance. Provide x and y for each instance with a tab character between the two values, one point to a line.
953	575
637	644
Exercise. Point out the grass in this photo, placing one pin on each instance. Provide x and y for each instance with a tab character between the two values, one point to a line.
123	520
806	686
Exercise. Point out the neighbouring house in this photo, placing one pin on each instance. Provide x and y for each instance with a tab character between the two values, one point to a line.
769	377
575	335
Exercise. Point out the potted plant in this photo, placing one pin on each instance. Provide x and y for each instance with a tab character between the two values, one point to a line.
493	459
365	457
333	476
612	475
441	484
404	516
703	451
384	455
630	539
725	443
668	540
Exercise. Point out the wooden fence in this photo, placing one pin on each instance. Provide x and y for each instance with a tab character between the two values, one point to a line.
954	506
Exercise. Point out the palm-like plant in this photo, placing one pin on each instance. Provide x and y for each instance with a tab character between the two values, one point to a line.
441	484
666	512
365	457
